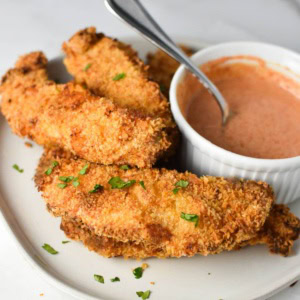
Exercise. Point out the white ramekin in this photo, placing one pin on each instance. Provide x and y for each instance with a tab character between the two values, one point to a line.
200	156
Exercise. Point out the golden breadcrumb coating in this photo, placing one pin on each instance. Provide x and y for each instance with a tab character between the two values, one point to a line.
280	231
162	67
106	58
70	116
149	220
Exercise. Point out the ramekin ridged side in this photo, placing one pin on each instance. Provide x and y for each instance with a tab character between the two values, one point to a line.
201	157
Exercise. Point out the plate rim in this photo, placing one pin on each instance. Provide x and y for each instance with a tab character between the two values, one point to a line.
27	251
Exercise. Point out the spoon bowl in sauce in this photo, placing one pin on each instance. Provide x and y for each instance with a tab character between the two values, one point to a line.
261	83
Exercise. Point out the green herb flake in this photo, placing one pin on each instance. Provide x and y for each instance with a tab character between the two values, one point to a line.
53	165
84	169
124	167
49	249
182	183
138	272
49	171
99	278
87	67
144	295
76	182
16	167
119	76
190	218
61	185
142	184
66	178
118	183
96	189
115	279
65	242
175	191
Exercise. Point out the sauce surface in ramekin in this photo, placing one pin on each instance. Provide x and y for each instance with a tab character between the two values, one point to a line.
265	105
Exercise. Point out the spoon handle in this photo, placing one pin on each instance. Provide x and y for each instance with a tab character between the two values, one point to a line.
133	13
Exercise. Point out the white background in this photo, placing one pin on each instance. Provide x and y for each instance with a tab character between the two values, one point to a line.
44	24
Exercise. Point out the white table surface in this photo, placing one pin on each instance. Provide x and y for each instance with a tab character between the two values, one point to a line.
36	24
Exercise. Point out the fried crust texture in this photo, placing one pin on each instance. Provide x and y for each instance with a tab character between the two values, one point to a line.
137	222
70	116
279	233
281	230
107	58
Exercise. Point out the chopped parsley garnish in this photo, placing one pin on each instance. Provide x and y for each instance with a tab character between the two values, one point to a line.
84	169
119	76
138	272
87	67
16	167
142	184
144	295
99	278
175	191
118	183
76	182
50	169
65	242
61	185
124	167
115	279
66	178
180	184
49	249
190	218
96	189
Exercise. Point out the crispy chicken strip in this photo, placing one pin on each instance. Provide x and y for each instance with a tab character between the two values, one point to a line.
280	231
69	116
107	58
221	213
162	67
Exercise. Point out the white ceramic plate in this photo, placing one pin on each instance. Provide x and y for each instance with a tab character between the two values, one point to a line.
251	273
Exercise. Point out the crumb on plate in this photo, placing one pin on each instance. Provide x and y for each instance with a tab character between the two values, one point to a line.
27	144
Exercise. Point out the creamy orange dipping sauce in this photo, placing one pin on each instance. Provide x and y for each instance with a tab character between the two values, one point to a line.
266	106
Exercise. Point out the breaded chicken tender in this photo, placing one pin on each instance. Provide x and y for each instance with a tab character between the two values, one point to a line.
114	71
69	116
280	231
150	212
162	67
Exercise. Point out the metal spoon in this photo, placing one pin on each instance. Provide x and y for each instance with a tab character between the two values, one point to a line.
134	14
